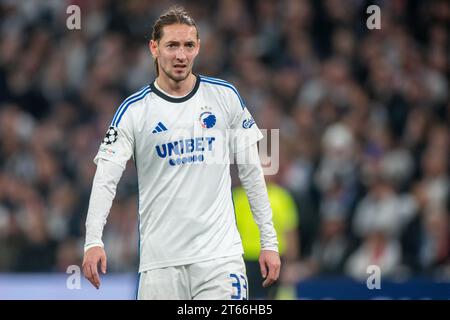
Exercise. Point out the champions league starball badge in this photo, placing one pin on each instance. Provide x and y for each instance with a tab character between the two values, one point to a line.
111	136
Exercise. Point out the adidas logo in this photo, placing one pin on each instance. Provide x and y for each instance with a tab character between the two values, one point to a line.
159	128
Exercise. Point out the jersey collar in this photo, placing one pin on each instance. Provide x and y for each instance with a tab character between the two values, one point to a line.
176	100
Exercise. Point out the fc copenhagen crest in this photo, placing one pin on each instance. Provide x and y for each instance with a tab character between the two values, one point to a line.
207	118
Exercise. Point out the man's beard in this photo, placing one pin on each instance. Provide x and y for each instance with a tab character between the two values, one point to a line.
177	79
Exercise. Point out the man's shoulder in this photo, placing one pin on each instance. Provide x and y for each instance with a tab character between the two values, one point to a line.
221	83
223	86
138	95
132	100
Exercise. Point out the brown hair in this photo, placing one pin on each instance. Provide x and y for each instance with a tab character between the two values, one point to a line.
174	15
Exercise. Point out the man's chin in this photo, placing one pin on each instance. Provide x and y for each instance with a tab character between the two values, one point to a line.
179	76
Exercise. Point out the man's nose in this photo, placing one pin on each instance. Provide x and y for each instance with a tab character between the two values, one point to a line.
180	54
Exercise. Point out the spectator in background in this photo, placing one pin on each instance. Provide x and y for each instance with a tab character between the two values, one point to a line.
38	252
434	252
337	174
332	245
378	248
285	220
435	167
383	208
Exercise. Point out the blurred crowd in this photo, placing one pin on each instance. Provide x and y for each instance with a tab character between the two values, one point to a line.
363	116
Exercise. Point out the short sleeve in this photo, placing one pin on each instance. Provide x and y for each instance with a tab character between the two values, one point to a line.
244	130
118	144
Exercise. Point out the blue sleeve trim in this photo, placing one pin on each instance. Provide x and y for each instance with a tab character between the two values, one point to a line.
223	83
123	108
124	104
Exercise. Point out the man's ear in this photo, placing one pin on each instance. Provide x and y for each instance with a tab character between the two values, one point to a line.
153	46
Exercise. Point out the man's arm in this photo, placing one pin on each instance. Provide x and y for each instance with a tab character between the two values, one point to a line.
252	180
104	186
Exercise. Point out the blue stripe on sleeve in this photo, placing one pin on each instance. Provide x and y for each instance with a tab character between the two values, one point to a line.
125	107
224	84
125	102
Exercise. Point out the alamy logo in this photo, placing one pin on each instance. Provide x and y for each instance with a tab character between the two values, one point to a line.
74	279
159	128
374	279
73	22
374	20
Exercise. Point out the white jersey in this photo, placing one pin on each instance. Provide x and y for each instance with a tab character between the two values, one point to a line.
181	148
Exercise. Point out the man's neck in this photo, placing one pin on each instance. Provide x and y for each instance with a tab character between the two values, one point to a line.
176	88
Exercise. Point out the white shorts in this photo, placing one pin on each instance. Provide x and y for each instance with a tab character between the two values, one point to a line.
217	279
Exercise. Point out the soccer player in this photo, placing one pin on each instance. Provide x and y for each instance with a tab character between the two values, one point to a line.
181	131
